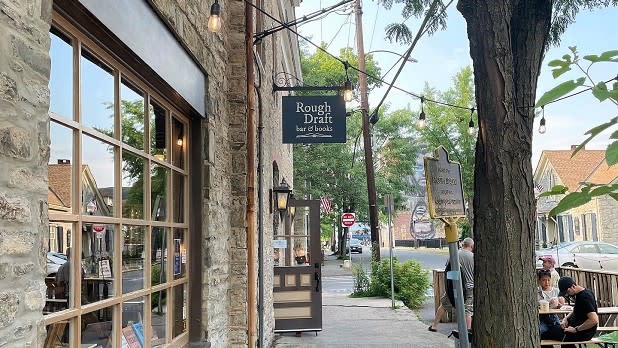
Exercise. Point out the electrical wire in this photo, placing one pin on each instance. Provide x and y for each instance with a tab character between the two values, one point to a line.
375	23
338	31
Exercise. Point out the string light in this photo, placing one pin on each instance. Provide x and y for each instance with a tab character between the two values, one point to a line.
347	86
214	21
471	129
421	118
542	128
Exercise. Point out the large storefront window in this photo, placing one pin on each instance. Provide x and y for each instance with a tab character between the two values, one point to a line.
117	199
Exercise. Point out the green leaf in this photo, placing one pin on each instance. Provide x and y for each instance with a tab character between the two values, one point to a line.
557	62
602	190
614	196
559	91
614	135
556	190
570	201
594	132
600	91
611	154
557	72
593	58
608	56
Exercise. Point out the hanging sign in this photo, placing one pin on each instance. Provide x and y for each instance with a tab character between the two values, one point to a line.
316	119
444	189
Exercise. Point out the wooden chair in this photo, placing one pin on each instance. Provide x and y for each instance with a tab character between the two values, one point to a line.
54	334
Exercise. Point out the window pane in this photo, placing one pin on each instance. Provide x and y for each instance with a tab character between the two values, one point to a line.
97	94
158	310
180	310
158	131
132	323
180	253
58	334
59	195
61	76
133	185
132	258
97	177
59	261
178	201
97	251
159	255
178	143
132	113
158	194
97	328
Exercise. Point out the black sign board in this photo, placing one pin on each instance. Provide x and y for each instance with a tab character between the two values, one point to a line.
313	119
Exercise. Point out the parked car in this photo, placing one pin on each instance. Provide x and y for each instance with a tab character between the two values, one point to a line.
54	261
356	246
583	254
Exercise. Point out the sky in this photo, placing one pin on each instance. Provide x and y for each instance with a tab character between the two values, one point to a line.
443	54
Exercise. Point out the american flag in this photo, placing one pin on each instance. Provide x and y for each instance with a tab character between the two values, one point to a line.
325	203
538	189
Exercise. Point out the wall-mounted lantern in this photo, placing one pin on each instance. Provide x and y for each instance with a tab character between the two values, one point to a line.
281	195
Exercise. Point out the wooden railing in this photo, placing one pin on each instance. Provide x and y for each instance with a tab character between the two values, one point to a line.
603	284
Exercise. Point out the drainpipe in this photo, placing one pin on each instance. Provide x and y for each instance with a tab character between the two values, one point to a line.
251	204
261	272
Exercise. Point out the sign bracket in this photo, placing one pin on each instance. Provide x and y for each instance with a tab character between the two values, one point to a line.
285	82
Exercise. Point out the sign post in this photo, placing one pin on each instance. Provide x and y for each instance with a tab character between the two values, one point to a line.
389	203
446	202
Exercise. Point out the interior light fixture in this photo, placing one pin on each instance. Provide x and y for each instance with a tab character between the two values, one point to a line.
542	128
214	21
421	118
347	91
471	129
179	142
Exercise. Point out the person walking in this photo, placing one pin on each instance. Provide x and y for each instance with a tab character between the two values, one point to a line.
581	324
466	263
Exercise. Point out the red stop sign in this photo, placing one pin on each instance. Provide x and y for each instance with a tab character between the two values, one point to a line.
348	219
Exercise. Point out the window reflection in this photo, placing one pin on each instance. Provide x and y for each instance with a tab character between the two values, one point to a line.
158	194
179	197
96	328
180	253
178	143
97	258
132	323
59	193
61	75
158	131
58	279
98	178
180	310
132	113
97	94
159	255
133	185
159	310
58	334
132	258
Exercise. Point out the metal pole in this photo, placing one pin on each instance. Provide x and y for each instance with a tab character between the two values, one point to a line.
371	180
455	276
389	206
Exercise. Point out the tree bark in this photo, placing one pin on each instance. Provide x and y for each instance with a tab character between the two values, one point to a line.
507	42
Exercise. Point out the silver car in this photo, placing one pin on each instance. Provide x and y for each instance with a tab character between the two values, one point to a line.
54	261
583	254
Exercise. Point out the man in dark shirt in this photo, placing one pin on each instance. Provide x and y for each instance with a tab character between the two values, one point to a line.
581	323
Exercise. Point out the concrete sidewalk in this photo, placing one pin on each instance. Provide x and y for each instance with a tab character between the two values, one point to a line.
363	322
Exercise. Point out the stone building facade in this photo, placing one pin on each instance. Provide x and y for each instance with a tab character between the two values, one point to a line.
183	241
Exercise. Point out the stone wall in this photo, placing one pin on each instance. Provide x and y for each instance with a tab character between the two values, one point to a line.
608	219
24	151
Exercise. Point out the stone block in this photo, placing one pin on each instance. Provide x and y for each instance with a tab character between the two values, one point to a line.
14	141
8	88
14	209
22	269
9	303
23	179
35	58
16	242
4	270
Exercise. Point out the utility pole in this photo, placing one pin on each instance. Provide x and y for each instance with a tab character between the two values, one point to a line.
371	179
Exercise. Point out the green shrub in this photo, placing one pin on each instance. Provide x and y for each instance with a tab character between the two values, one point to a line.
411	281
361	281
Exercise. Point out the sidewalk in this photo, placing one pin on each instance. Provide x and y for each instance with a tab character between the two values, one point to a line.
363	322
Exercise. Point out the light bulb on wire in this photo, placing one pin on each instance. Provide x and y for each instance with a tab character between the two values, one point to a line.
471	129
347	91
214	21
542	127
421	117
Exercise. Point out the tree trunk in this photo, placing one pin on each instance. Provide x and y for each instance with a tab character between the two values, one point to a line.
507	41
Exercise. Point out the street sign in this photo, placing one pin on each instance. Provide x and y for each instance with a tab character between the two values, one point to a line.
313	119
99	230
444	189
348	219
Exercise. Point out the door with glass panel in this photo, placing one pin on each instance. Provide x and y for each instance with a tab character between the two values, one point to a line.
297	289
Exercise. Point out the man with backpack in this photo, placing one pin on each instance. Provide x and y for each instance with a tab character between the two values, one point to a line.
466	262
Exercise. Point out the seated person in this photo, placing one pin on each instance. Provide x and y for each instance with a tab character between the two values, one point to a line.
548	264
581	324
549	323
300	255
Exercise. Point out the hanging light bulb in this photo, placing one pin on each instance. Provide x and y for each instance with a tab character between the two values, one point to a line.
347	91
542	128
471	129
214	21
421	118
